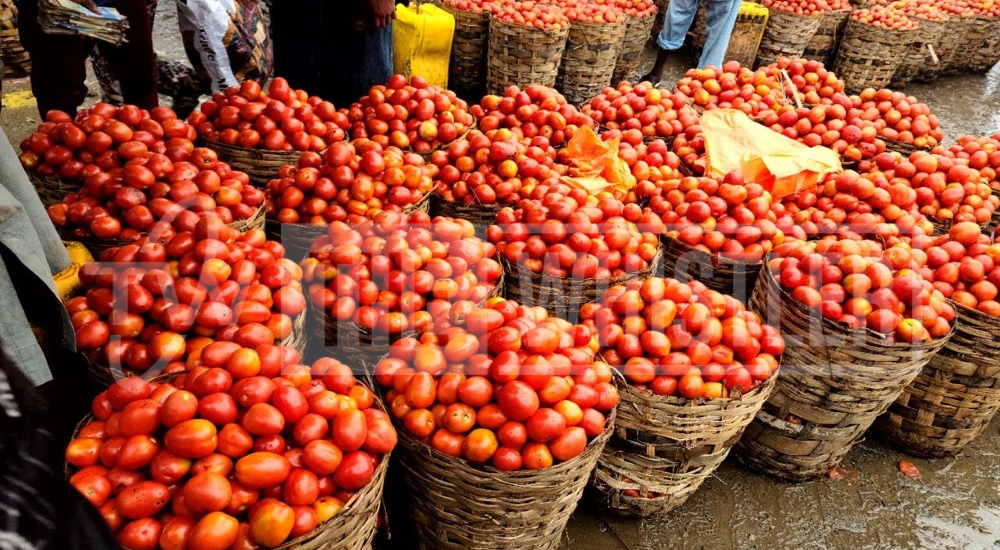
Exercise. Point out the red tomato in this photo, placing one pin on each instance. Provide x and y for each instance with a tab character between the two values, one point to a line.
207	492
271	522
262	469
301	488
355	471
322	456
192	438
214	531
95	488
349	429
142	500
142	534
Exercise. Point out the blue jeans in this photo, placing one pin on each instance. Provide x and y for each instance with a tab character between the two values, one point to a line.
721	18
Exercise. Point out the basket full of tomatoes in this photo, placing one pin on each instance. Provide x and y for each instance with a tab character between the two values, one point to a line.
502	415
213	458
957	394
699	366
860	323
259	131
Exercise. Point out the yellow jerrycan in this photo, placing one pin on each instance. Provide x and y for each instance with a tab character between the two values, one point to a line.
421	42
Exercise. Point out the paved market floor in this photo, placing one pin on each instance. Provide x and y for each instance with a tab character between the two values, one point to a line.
954	504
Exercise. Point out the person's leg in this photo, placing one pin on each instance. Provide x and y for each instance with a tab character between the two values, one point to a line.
58	63
134	62
721	17
678	19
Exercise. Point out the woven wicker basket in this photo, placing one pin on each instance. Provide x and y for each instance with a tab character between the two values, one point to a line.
834	383
520	55
988	54
978	30
733	277
456	506
946	48
561	296
637	32
52	189
744	42
953	400
467	68
786	35
668	446
352	528
481	215
824	43
868	55
589	60
928	37
901	147
16	61
256	221
260	164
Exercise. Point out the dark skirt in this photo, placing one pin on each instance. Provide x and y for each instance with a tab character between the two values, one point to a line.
330	48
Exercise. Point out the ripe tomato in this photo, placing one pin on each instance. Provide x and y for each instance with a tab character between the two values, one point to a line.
143	534
192	438
168	468
355	471
480	445
175	533
569	445
301	488
207	492
214	531
271	522
262	469
517	400
263	419
93	487
142	500
322	456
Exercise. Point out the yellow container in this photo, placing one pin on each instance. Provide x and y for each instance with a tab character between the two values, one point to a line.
421	42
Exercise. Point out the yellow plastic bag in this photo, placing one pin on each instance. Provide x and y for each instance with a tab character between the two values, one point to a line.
594	165
421	42
781	164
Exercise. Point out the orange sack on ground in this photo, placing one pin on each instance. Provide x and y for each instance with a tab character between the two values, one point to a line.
781	164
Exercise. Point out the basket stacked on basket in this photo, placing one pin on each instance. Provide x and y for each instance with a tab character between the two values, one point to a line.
869	54
955	396
505	468
933	27
521	54
638	28
824	43
467	66
947	47
835	382
787	34
679	416
16	61
988	53
591	54
747	33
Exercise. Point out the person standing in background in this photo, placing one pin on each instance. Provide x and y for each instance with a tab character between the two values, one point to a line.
58	61
336	49
721	18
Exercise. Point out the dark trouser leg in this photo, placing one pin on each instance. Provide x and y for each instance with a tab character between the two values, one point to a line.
134	62
58	63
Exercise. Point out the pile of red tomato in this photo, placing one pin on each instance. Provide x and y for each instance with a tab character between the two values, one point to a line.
224	457
278	119
536	111
502	384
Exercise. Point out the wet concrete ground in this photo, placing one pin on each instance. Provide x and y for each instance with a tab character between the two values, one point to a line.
954	505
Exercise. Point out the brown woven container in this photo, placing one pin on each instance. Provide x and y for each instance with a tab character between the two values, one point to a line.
744	42
16	61
786	35
52	189
637	32
456	506
588	62
868	55
946	48
978	30
352	528
521	55
685	262
928	37
988	53
561	296
256	221
834	383
481	215
901	147
823	44
953	400
467	68
260	164
669	446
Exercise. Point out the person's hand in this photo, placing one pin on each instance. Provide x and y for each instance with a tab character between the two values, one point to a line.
384	11
89	4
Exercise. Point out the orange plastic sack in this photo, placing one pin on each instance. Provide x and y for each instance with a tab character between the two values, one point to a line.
781	164
594	165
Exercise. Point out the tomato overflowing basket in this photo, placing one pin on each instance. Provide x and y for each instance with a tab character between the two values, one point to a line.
482	311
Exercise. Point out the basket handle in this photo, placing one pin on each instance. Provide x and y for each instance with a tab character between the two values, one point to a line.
795	89
930	48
